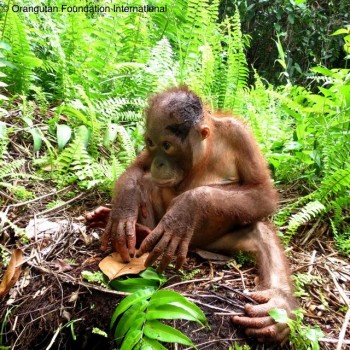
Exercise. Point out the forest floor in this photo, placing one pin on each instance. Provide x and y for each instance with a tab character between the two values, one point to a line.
51	292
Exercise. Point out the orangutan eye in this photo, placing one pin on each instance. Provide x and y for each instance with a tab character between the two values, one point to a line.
166	145
149	142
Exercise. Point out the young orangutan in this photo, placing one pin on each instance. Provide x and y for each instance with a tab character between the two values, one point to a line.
201	182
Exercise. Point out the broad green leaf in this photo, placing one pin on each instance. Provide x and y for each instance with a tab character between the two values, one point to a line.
279	315
110	134
75	113
131	340
327	92
37	139
151	344
83	134
314	334
322	70
151	274
31	61
129	301
159	331
164	297
293	113
292	145
193	309
341	31
138	322
345	91
129	317
64	133
133	285
170	312
28	121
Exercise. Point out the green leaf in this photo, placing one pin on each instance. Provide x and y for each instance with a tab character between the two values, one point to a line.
133	285
279	315
31	61
64	133
93	277
135	312
165	297
341	31
314	334
151	274
129	301
170	312
75	113
322	70
37	139
151	344
138	322
131	340
159	331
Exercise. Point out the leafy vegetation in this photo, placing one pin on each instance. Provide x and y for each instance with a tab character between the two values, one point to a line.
302	337
139	313
135	321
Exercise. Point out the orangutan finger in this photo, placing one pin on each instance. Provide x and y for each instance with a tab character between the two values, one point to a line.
258	322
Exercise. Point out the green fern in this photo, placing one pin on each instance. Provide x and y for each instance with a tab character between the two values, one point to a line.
309	211
162	69
336	183
193	31
11	169
237	68
23	61
115	110
232	71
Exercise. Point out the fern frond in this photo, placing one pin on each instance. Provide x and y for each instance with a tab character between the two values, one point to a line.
161	67
335	183
21	55
128	154
232	77
304	215
9	169
338	206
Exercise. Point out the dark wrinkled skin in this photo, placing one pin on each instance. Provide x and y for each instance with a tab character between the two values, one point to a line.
201	182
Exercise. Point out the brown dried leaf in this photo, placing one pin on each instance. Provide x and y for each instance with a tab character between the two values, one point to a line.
211	256
61	265
113	266
12	273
